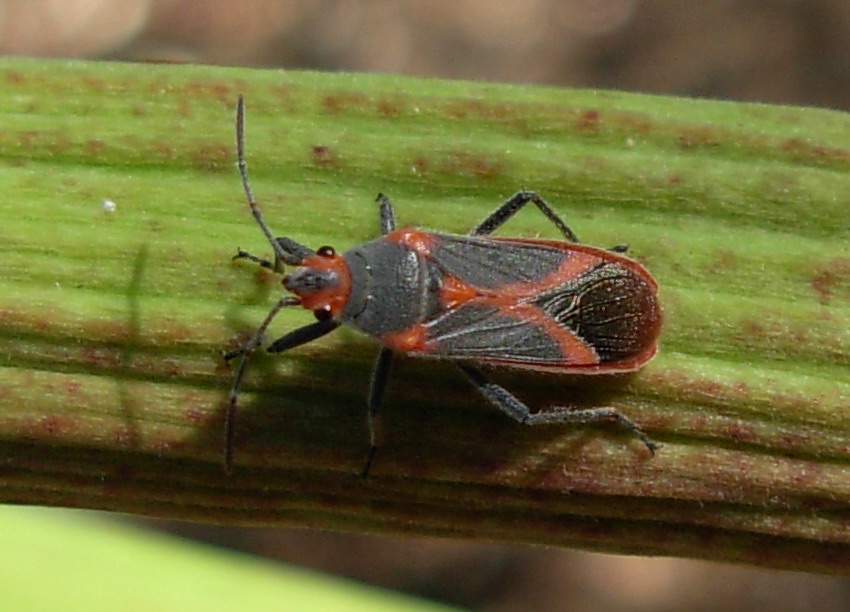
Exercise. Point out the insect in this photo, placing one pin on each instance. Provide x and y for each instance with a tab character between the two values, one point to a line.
546	305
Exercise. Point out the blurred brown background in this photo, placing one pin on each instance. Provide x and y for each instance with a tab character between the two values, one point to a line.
783	51
789	51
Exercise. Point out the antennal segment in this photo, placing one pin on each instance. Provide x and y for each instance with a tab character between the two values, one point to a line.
246	185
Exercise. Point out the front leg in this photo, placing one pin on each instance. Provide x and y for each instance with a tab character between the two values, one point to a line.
294	252
264	263
294	338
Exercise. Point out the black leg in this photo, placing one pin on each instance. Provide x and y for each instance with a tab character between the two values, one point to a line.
377	386
298	253
508	403
294	338
303	335
381	370
245	353
265	263
510	207
387	214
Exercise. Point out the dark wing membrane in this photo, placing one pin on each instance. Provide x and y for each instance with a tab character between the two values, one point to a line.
609	307
476	331
491	264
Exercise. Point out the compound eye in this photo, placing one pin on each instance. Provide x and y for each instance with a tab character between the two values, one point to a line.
323	313
326	251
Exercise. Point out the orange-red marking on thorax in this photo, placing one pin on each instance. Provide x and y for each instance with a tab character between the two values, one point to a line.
414	339
413	239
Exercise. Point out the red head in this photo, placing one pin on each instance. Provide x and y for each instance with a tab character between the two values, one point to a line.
323	283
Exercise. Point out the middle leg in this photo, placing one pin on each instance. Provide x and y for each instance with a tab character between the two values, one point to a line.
512	206
381	370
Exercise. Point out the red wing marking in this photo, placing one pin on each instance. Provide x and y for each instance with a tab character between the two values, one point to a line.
574	350
599	254
575	264
454	292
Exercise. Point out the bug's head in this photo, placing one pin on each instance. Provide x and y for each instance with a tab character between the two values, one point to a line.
322	281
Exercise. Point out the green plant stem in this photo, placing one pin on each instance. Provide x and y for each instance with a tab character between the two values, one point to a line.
112	387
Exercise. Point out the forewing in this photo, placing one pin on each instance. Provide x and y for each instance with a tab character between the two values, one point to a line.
541	304
488	333
492	264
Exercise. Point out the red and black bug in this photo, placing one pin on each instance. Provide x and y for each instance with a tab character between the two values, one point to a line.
537	304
